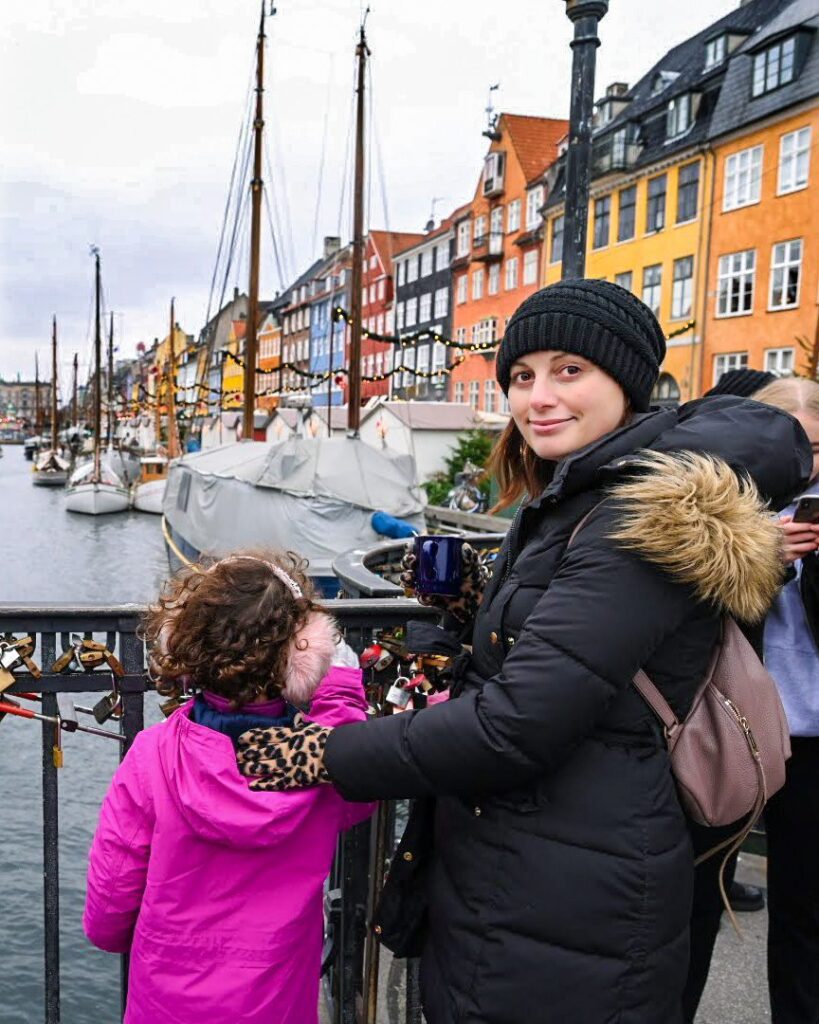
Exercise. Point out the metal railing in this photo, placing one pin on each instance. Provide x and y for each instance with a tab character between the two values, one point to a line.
351	949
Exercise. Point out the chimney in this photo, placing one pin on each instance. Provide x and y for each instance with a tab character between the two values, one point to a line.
617	89
235	292
332	243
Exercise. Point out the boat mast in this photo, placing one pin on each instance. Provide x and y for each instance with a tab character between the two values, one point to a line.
110	420
256	186
74	411
36	394
354	369
97	367
54	384
173	432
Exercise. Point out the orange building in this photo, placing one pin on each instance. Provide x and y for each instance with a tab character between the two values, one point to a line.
497	246
763	265
269	360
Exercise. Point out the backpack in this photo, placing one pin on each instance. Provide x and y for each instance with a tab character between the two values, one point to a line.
728	755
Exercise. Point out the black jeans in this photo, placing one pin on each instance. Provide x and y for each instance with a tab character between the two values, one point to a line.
792	823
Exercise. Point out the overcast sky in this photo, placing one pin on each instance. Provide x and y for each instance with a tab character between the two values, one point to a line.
121	119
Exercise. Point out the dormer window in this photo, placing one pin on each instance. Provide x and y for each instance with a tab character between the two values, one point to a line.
606	112
774	66
662	80
493	174
678	116
715	52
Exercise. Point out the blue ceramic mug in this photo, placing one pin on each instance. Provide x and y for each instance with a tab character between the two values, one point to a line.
438	564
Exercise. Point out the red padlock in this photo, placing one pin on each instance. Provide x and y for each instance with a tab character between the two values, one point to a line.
375	657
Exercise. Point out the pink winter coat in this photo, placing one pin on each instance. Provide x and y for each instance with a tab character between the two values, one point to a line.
214	889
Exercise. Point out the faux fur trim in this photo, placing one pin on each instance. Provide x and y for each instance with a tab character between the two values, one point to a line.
311	653
693	516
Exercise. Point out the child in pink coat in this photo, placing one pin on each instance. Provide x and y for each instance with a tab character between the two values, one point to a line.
214	889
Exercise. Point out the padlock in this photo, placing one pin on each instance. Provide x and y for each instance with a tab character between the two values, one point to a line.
168	707
114	663
10	657
88	644
418	681
375	657
91	659
57	749
6	679
64	660
397	695
107	707
32	666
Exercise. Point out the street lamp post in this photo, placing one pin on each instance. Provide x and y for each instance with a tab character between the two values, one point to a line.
585	15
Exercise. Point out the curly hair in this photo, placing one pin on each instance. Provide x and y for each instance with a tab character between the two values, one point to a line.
227	627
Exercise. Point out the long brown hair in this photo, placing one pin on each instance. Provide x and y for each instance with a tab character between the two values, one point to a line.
516	468
227	628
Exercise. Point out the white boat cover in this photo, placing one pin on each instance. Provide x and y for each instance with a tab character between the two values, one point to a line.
310	495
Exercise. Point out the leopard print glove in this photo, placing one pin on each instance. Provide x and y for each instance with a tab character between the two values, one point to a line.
282	758
474	575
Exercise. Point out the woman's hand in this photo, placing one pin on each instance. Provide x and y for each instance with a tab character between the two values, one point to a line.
282	758
799	539
474	575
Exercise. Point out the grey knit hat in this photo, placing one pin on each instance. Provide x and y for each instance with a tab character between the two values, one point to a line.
596	319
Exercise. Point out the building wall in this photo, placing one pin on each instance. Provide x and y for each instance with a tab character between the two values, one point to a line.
376	316
774	218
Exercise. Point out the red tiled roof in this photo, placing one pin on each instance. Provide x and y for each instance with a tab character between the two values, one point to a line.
388	243
534	140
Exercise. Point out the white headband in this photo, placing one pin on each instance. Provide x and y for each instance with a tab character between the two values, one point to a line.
276	569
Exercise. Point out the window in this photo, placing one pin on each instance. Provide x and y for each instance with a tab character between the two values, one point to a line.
773	67
624	280
511	277
534	201
688	187
379	326
779	361
494	279
460	335
426	262
530	267
714	52
504	404
513	216
602	218
381	287
459	391
655	211
489	396
423	359
556	248
786	266
735	283
652	283
461	289
388	359
389	323
496	222
743	171
373	262
729	361
463	238
474	393
477	284
412	312
441	302
379	363
438	356
372	293
399	316
794	160
625	213
425	308
412	269
682	287
678	116
408	359
479	228
442	256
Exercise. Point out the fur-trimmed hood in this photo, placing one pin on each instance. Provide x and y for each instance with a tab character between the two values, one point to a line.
693	516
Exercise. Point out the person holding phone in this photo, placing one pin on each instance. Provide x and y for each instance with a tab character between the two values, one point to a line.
558	885
792	815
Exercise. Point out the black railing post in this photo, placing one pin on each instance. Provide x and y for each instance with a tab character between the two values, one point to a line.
585	14
51	862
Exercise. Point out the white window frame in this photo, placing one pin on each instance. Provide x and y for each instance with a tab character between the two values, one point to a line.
783	260
781	361
464	238
729	271
422	362
400	311
408	359
530	267
513	216
682	291
442	256
678	116
462	289
510	274
412	269
402	272
411	316
770	63
489	390
425	308
715	50
493	284
534	201
478	228
620	279
475	394
381	288
647	291
743	178
438	355
459	392
477	284
426	261
725	361
460	335
441	302
798	145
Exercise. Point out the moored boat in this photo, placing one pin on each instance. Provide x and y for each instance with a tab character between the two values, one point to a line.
150	488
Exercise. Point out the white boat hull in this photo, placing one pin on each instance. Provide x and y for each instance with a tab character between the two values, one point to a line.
148	496
95	499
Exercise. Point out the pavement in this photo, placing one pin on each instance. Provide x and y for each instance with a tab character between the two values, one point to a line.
737	990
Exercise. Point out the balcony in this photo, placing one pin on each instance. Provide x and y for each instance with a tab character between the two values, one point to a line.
488	248
614	154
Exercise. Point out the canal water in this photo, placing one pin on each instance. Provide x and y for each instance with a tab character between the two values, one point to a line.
49	555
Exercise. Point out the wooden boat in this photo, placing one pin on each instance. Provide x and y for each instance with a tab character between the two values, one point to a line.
51	467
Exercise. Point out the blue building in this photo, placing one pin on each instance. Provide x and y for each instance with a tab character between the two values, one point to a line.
329	288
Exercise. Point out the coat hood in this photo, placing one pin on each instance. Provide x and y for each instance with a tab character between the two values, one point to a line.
200	772
696	518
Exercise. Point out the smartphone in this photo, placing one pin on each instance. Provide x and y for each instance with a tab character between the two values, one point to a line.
807	509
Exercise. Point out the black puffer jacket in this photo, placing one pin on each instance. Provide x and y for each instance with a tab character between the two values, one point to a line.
562	878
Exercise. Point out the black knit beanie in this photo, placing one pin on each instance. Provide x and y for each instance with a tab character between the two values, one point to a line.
742	383
598	320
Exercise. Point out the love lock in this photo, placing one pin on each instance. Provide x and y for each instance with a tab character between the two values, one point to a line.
110	706
397	695
375	657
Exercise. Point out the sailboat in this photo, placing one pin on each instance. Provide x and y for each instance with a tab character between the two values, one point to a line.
51	467
311	495
149	490
94	488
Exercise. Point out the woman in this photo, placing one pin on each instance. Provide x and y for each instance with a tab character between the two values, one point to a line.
792	815
561	882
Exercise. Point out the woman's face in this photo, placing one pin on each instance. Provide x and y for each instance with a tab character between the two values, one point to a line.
811	425
561	402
